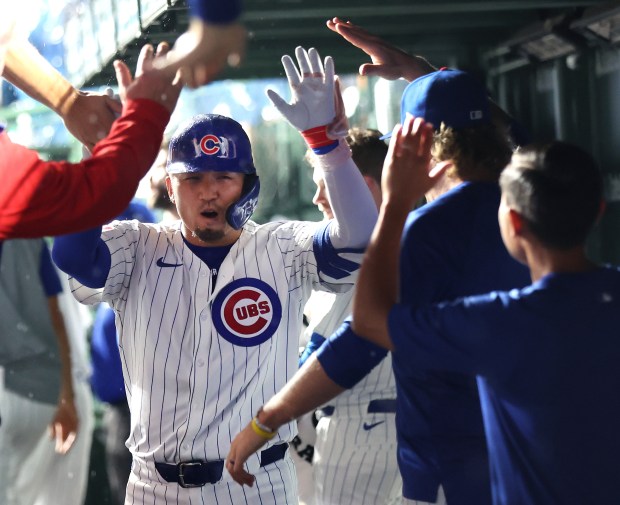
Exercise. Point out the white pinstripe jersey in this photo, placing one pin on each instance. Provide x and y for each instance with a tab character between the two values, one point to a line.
194	366
378	384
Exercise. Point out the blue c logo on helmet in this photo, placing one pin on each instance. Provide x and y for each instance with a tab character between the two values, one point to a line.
210	142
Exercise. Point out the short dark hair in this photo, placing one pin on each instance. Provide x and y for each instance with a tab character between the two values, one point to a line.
368	150
557	189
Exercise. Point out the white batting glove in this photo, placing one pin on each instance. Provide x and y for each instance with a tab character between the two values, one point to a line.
313	108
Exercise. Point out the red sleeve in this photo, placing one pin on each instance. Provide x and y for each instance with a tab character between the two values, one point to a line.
40	198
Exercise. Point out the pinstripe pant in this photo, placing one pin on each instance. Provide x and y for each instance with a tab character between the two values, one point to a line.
356	465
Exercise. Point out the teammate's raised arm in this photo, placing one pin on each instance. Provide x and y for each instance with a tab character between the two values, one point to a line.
388	61
213	40
52	198
316	110
405	180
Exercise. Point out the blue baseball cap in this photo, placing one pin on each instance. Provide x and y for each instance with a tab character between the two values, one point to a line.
210	142
447	96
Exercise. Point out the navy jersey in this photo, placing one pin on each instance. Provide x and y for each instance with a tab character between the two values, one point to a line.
451	247
547	358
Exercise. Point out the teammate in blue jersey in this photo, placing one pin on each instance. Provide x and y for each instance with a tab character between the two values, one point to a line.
209	308
451	247
546	355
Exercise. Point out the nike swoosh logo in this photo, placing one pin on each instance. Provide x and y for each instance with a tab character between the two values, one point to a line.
368	427
161	263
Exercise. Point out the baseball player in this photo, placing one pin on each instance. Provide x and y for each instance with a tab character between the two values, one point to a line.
209	308
545	355
355	449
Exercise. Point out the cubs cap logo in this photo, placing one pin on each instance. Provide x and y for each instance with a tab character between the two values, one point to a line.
247	312
213	145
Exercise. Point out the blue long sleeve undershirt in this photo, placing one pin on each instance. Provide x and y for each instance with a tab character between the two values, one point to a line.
84	256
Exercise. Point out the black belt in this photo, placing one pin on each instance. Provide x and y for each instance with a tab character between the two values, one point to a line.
386	406
199	473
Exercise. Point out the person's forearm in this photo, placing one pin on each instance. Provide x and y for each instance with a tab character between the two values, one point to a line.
307	390
355	211
64	348
26	69
377	287
53	198
335	353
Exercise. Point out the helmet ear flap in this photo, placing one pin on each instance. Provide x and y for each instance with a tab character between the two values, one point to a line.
240	212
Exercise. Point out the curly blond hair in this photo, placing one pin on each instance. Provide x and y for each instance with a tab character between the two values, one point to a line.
479	153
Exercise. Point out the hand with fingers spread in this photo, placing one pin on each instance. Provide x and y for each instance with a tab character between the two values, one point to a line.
316	107
388	61
159	87
312	90
407	172
202	52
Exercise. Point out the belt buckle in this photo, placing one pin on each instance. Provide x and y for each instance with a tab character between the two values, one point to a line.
181	467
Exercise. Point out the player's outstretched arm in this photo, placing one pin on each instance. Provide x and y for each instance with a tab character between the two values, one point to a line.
87	115
307	390
203	51
388	61
406	178
316	110
53	198
214	38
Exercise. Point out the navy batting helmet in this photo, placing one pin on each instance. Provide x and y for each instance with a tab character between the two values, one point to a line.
210	142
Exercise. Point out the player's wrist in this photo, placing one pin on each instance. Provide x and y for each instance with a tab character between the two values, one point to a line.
261	429
334	158
318	140
270	418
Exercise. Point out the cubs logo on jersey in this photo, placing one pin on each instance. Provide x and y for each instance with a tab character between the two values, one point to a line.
247	312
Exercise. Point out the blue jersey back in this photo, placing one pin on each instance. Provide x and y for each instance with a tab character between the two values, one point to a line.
451	248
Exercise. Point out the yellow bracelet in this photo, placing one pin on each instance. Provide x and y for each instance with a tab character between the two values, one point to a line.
260	430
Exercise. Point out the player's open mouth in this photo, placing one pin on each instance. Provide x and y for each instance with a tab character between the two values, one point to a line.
211	214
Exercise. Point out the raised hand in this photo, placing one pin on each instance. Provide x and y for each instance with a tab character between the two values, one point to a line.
201	52
407	172
388	61
157	86
89	116
312	90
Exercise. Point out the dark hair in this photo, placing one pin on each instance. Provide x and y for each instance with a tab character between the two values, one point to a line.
367	149
557	189
479	153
